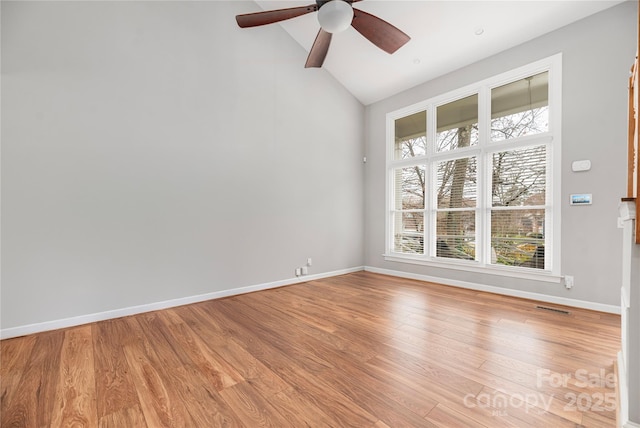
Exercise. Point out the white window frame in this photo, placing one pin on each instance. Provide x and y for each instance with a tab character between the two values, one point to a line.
483	151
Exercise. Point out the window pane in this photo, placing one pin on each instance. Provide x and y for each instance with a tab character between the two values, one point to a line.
411	136
456	183
517	237
410	187
409	232
520	108
479	192
518	177
457	124
456	234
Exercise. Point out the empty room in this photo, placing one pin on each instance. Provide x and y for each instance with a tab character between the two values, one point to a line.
319	214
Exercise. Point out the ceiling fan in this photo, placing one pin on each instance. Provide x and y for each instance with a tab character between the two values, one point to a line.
334	16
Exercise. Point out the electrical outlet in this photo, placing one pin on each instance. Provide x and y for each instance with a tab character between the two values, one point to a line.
305	270
298	271
309	262
568	281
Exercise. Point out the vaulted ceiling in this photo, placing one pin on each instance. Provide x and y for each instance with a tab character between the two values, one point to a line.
445	35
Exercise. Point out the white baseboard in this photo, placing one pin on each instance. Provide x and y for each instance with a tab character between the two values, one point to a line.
499	290
133	310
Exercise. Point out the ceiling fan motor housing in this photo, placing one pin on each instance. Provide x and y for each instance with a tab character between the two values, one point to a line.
335	16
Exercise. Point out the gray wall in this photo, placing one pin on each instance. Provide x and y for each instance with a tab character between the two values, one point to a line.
597	55
154	150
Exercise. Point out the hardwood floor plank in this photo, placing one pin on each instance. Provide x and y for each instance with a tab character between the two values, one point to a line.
15	352
203	401
157	335
421	343
444	417
314	388
14	355
374	400
288	339
33	401
394	370
252	408
517	410
152	392
299	411
115	391
336	336
216	371
155	369
596	420
129	417
342	371
199	383
243	362
456	382
561	384
303	309
73	406
544	402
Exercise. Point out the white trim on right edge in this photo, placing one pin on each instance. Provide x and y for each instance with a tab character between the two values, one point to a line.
612	309
623	396
623	392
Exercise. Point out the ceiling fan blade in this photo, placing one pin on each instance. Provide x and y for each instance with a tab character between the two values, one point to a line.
271	16
378	31
319	50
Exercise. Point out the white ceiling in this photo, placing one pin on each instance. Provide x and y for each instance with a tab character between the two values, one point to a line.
443	37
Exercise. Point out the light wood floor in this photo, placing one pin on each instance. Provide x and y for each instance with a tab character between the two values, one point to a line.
359	350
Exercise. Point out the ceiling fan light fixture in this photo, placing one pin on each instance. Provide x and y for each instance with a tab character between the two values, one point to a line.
335	16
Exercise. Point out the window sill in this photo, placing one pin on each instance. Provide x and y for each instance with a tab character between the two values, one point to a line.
522	273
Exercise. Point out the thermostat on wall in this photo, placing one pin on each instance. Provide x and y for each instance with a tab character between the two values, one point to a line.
581	199
581	165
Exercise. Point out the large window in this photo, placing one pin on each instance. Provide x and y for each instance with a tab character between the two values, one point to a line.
473	178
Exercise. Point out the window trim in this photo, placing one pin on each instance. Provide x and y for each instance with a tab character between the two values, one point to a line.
485	147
